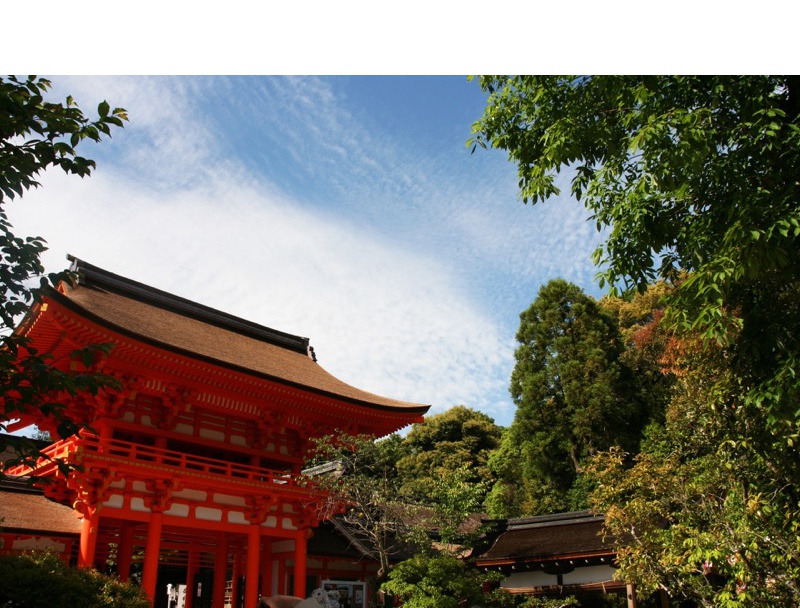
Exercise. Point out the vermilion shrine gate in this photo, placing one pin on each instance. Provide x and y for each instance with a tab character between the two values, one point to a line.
195	461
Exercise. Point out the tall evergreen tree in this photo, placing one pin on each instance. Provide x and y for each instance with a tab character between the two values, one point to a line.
572	399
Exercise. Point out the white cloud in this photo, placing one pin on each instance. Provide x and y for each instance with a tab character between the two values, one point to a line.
381	318
406	268
167	144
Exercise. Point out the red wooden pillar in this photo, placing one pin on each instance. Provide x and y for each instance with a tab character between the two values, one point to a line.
125	551
253	565
88	537
191	572
236	590
105	434
220	572
151	551
300	554
266	568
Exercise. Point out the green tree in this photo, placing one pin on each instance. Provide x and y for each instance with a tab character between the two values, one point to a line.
36	134
364	492
687	174
695	179
710	510
646	341
459	438
443	581
550	602
570	392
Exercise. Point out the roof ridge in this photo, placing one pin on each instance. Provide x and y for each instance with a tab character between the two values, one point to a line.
553	519
90	275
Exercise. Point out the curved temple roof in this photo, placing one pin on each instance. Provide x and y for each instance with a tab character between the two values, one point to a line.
168	321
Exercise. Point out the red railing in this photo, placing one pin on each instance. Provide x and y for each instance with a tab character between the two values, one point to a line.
60	450
74	449
136	452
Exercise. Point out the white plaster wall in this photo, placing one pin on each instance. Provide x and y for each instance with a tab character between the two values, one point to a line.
533	578
237	517
537	578
189	494
238	440
116	501
227	499
208	514
212	434
589	574
178	510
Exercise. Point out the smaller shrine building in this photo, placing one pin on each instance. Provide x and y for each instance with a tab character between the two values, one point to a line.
557	555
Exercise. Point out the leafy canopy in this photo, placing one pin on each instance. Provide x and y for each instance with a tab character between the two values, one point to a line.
696	181
36	134
458	439
694	174
710	511
444	581
365	494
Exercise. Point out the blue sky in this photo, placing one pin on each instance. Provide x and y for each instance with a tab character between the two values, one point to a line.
344	209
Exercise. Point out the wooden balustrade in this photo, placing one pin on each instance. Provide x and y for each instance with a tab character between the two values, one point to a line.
74	449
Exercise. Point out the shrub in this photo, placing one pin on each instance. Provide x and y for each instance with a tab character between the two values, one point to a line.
444	581
42	580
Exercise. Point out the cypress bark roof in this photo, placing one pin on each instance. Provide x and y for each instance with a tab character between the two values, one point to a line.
24	508
548	537
180	325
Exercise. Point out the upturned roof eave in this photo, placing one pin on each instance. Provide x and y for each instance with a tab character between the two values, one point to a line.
64	300
534	559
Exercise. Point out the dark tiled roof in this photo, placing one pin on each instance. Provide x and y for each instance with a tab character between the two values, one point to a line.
329	541
546	537
335	538
24	508
162	319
